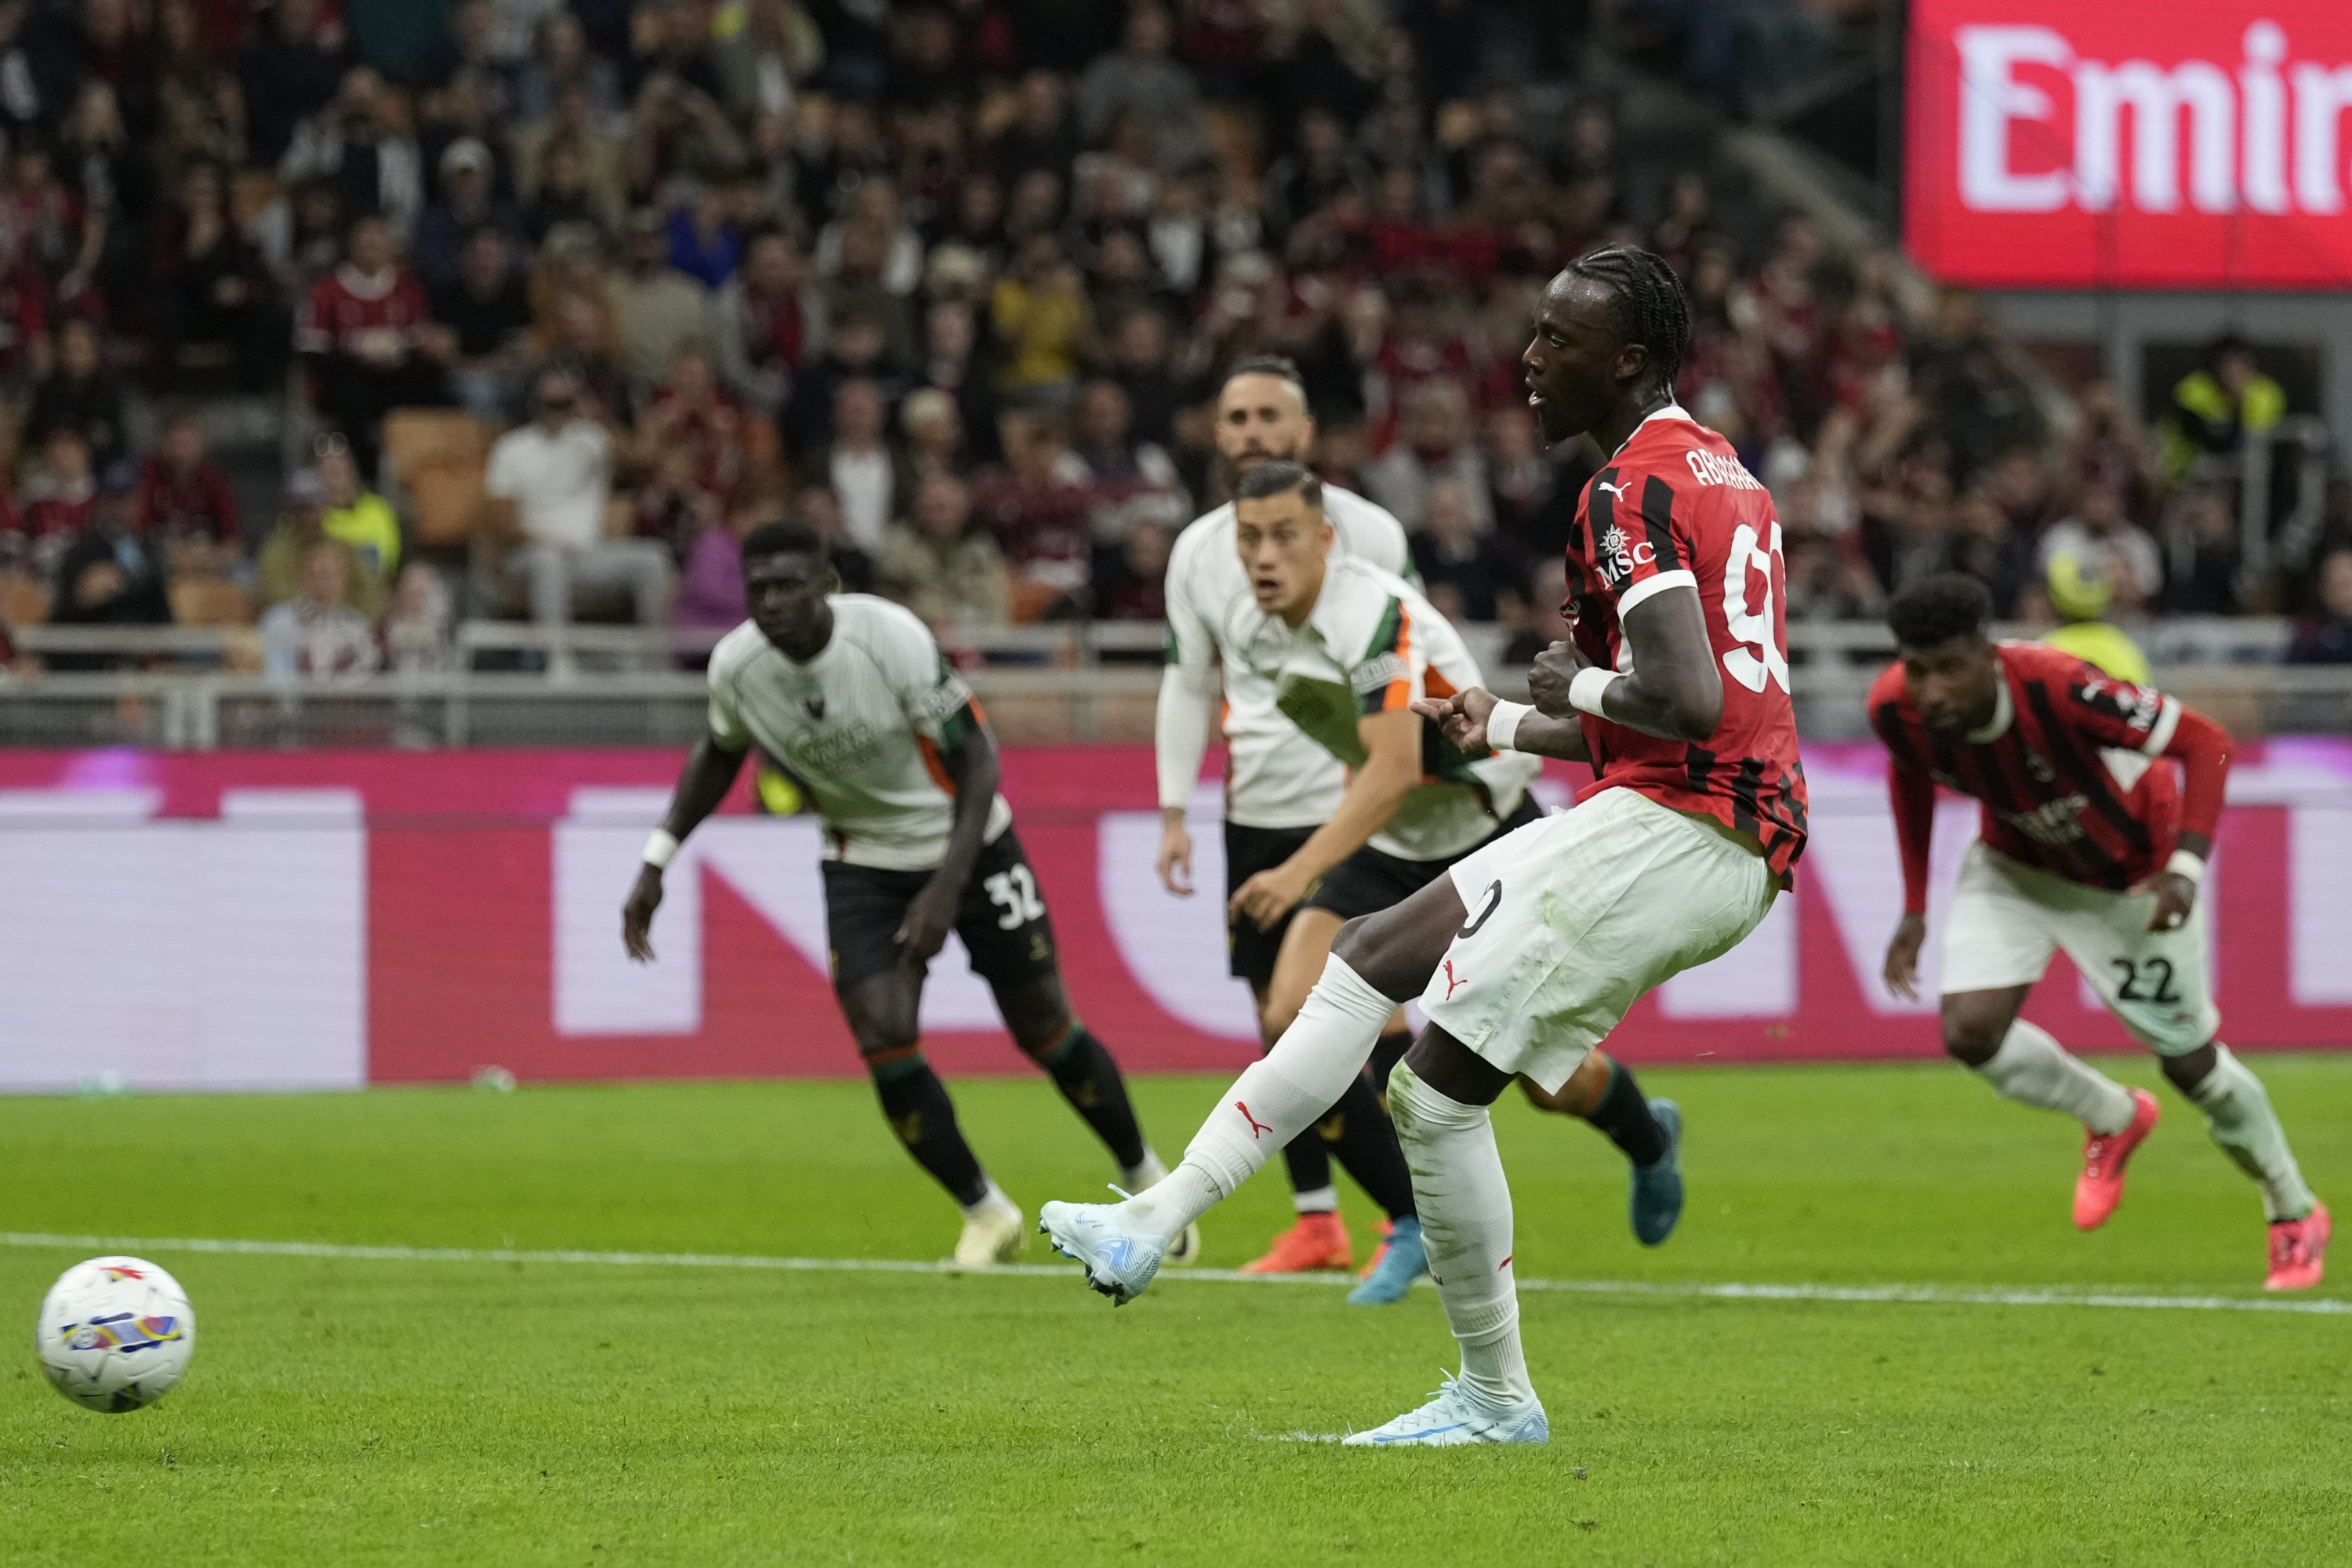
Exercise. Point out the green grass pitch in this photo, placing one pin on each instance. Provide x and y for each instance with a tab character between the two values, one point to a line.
362	1411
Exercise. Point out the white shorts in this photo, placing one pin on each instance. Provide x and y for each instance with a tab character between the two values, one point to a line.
1573	919
2008	918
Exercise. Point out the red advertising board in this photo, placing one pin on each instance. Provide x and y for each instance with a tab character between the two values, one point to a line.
2075	144
325	919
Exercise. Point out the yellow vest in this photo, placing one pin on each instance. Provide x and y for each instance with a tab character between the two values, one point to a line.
2099	643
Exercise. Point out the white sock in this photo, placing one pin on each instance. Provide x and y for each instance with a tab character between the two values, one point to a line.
2032	1068
1275	1099
993	1199
2239	1115
1324	1199
1140	1175
1464	1204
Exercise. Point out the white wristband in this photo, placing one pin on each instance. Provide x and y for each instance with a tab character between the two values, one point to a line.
661	849
1591	684
2185	864
1503	724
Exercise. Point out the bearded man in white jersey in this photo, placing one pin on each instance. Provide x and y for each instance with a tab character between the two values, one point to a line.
1282	787
853	699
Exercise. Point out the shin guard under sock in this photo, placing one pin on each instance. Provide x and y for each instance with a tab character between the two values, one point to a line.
924	1118
1089	1079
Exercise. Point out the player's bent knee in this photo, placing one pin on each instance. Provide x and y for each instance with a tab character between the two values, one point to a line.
2188	1072
1972	1041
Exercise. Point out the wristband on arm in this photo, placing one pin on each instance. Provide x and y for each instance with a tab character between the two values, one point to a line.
661	849
1503	725
1591	685
2186	864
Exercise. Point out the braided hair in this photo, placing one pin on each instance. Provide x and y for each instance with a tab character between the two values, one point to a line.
1645	303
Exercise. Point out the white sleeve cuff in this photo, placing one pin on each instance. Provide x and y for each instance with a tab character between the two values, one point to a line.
2168	719
1648	586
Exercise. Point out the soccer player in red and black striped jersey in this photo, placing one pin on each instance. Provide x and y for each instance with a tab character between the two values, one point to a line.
1534	945
2090	845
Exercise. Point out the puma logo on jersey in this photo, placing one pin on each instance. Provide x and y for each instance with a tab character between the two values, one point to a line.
1619	491
1452	983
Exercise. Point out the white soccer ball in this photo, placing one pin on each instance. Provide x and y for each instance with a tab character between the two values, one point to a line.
115	1334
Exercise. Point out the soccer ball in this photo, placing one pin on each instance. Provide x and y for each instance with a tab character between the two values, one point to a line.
115	1334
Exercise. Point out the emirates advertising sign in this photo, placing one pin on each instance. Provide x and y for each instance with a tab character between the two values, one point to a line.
2078	143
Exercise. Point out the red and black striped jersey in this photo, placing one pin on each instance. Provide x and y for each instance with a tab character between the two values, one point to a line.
2065	771
1675	508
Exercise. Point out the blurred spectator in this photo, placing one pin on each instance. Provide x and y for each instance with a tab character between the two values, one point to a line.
417	623
1986	547
934	433
2080	590
2217	406
660	309
2201	553
280	572
1042	136
859	465
1460	569
703	244
692	412
1138	79
940	566
670	503
1036	505
1433	448
2327	637
354	514
109	575
186	505
363	141
948	366
289	72
855	349
769	319
773	48
364	337
818	509
2105	546
1138	363
81	393
1131	479
596	179
317	635
1040	316
710	589
56	499
1546	615
485	309
219	327
1132	583
549	482
1825	584
467	203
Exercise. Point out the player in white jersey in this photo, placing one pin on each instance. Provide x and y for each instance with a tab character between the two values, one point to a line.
1280	785
852	698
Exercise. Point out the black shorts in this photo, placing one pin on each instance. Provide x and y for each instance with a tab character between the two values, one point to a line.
1001	919
1369	881
1248	851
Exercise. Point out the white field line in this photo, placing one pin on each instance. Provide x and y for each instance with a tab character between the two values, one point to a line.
1923	1295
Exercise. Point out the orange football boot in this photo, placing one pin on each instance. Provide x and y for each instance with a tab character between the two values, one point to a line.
2100	1187
1317	1241
2299	1251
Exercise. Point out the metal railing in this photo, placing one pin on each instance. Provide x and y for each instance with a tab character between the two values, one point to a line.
1078	683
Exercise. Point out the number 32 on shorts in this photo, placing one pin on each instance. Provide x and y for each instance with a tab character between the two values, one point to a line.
1014	892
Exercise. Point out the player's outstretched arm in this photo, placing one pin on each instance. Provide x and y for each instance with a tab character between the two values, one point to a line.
969	759
1674	689
1188	710
1464	717
709	771
1391	768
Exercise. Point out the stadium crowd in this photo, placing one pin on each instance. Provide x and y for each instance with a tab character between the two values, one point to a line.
561	299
